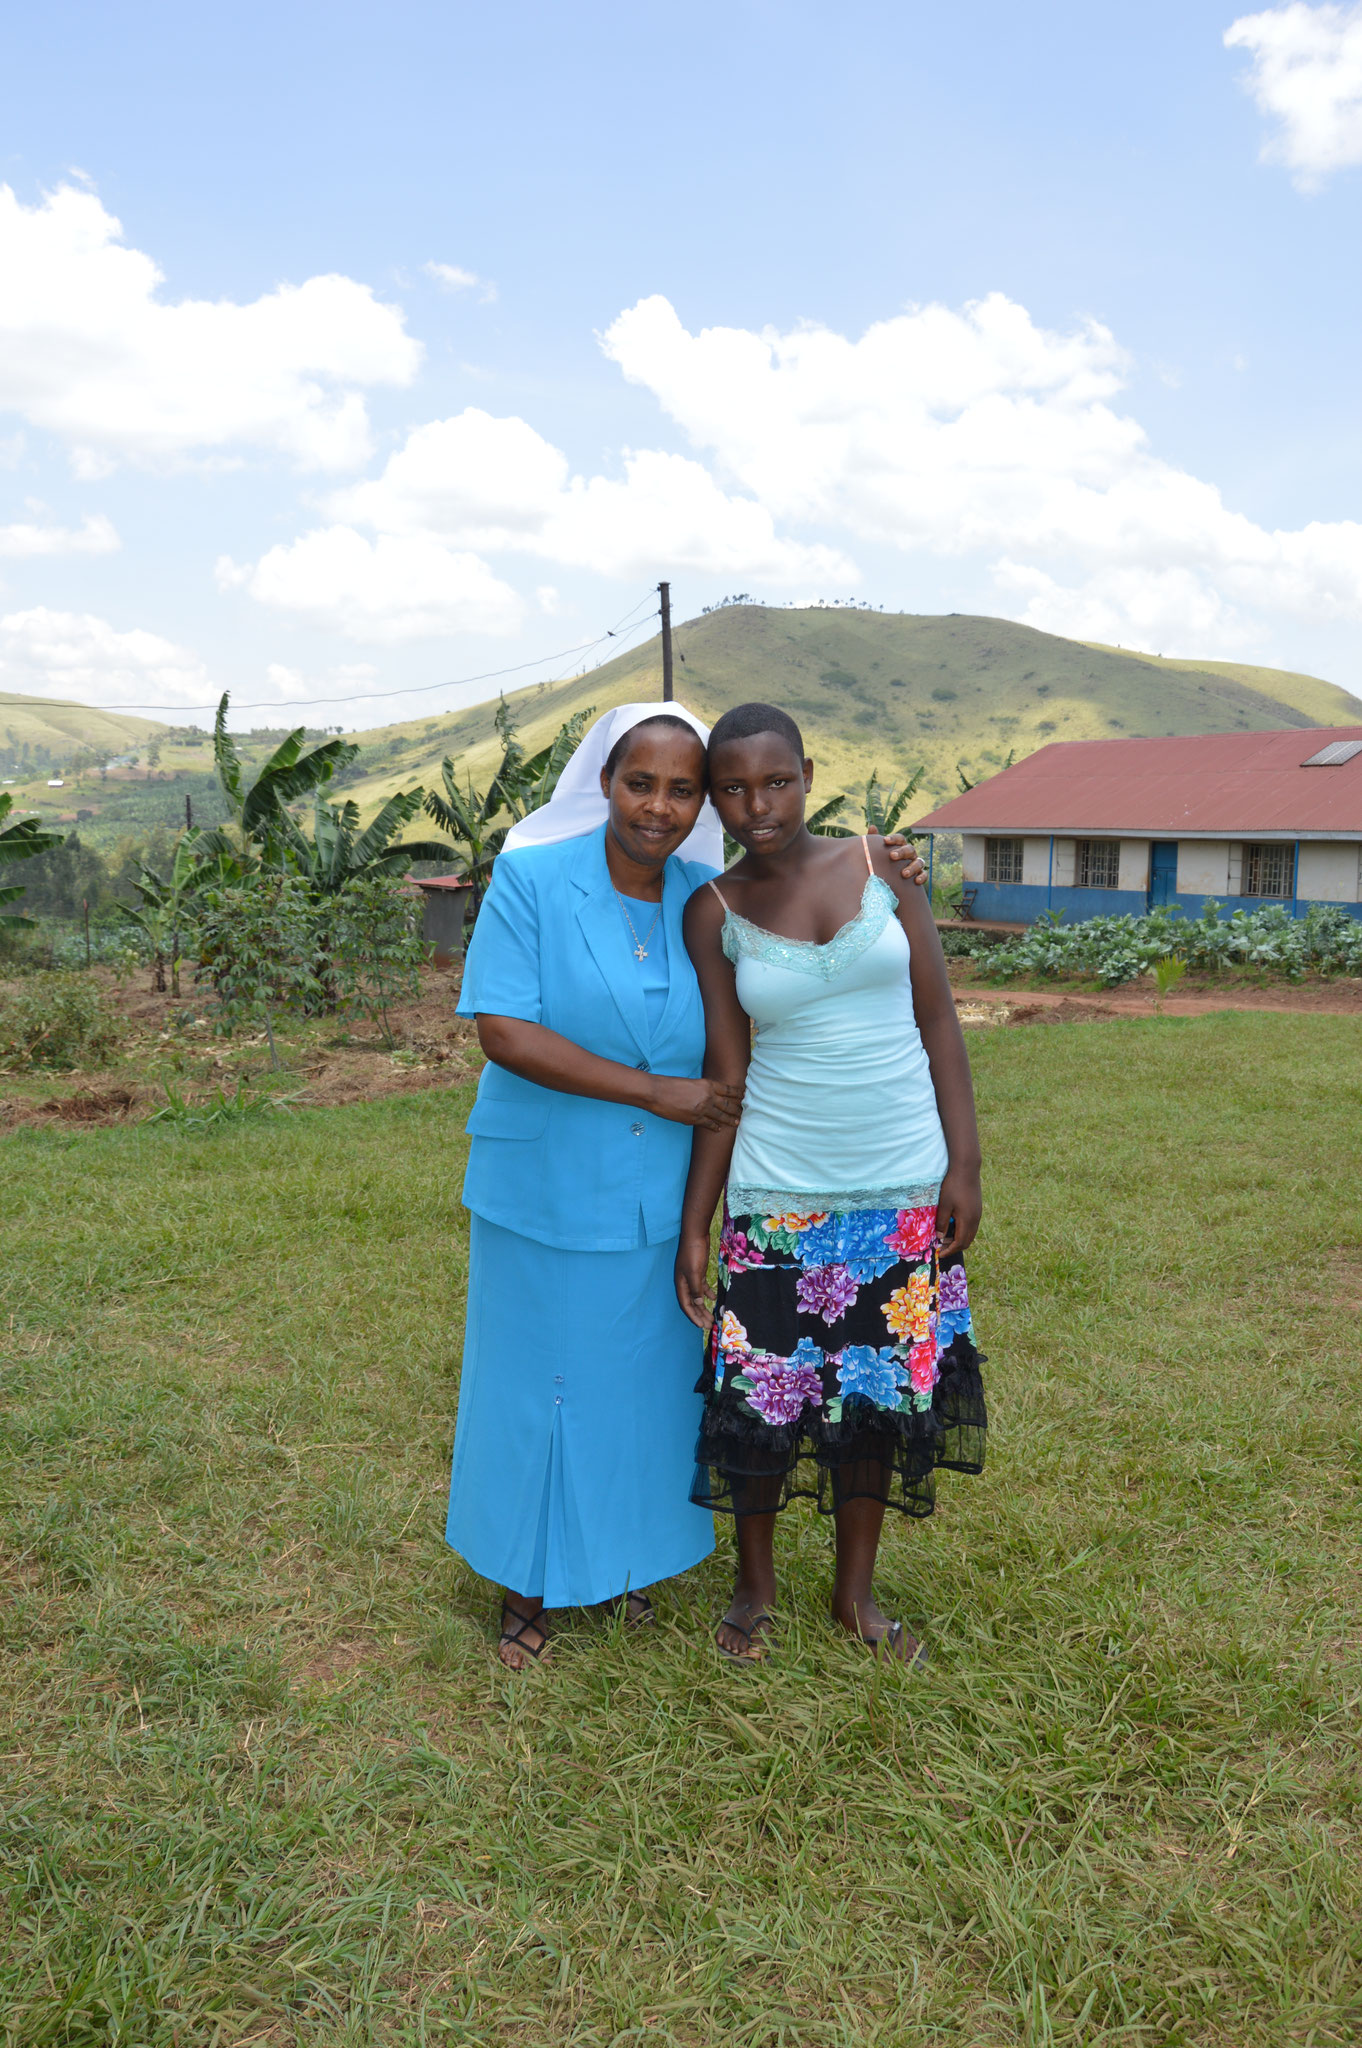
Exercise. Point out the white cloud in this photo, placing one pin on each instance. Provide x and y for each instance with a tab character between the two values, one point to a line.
980	433
398	587
463	488
95	536
70	654
91	351
455	279
1307	77
1151	608
496	485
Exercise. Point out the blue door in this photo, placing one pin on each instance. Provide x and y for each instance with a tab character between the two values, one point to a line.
1163	872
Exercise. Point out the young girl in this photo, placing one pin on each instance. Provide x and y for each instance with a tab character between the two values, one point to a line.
840	1361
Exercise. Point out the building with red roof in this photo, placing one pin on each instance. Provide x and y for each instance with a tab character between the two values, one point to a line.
1096	827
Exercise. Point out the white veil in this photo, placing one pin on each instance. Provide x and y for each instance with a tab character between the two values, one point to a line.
578	807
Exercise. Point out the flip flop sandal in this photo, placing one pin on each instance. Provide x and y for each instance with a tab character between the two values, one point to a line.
757	1647
894	1635
515	1637
639	1611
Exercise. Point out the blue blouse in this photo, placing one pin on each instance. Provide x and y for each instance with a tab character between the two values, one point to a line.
551	946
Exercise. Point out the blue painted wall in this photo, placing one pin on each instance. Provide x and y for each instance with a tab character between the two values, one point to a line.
1023	903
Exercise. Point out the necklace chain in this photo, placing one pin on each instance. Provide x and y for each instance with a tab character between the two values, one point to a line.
640	944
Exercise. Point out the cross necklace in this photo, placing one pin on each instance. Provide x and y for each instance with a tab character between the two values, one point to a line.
640	947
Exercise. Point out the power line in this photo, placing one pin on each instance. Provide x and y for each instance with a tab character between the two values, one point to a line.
362	697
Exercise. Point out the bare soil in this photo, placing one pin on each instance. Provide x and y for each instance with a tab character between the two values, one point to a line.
168	1041
331	1060
1195	997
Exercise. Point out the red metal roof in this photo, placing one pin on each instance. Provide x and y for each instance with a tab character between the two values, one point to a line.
1236	783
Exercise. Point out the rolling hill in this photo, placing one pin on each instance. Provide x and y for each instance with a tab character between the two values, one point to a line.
60	729
883	690
872	690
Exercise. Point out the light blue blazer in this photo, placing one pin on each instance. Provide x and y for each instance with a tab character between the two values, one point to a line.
550	946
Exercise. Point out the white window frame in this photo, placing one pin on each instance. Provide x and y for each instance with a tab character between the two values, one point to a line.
1015	860
1253	855
1110	862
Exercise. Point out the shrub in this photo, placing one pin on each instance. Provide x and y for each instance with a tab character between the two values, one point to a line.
54	1020
372	936
255	944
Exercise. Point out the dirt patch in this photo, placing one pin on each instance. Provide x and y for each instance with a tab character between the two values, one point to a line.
1068	1010
91	1105
335	1661
1342	998
1345	1274
84	1106
354	1078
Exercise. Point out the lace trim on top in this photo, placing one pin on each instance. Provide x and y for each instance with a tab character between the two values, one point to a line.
753	1201
742	939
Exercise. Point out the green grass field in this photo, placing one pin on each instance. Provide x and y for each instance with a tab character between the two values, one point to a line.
265	1782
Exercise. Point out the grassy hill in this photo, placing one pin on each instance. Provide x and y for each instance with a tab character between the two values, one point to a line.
887	691
870	689
61	730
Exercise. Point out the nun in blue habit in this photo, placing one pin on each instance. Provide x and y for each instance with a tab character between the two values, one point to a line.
577	1417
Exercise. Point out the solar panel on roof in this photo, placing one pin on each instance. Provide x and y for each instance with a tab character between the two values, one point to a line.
1334	755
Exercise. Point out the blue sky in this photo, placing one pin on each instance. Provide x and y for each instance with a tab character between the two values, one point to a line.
471	323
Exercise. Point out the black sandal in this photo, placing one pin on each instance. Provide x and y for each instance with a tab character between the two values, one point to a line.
514	1638
639	1611
894	1635
757	1649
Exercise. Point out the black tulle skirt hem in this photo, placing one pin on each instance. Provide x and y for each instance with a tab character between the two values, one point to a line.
747	1467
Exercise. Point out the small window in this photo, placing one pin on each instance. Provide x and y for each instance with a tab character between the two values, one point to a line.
1002	860
1099	863
1266	870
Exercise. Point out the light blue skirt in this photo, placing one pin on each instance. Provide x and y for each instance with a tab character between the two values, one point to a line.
575	1441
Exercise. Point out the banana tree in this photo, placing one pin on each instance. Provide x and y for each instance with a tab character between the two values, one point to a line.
339	856
885	807
466	815
338	852
826	820
20	841
525	785
261	810
520	785
201	860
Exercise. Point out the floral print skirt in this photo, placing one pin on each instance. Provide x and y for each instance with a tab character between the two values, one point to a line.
841	1364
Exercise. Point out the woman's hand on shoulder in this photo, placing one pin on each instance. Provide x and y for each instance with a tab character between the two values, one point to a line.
895	862
910	865
693	1290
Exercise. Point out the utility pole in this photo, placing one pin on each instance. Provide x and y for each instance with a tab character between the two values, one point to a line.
666	593
188	815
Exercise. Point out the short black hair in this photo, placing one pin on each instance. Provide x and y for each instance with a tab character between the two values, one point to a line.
745	721
621	746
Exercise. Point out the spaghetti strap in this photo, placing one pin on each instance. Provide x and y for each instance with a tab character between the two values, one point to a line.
711	885
865	843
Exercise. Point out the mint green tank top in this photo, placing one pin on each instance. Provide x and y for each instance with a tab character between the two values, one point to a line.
839	1110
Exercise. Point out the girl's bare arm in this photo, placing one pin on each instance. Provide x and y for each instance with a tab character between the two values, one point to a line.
961	1202
727	1049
